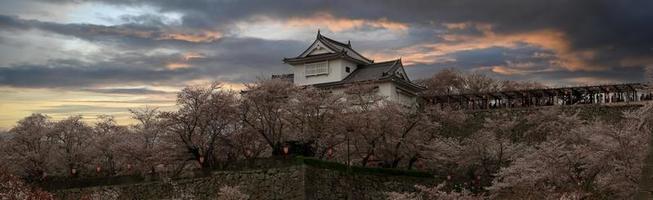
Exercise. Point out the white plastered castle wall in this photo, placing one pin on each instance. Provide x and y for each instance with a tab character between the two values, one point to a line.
337	72
389	91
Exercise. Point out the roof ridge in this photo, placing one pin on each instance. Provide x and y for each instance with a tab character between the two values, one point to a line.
391	69
332	40
395	65
347	46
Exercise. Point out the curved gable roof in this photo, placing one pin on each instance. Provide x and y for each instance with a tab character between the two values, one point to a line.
376	71
334	46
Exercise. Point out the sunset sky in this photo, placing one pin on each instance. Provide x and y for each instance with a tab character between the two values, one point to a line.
69	57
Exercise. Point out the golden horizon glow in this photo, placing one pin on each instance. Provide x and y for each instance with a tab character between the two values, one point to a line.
18	103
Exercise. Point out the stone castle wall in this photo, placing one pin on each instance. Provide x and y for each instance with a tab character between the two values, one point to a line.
293	182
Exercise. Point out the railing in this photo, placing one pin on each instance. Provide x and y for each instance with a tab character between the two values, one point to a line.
600	94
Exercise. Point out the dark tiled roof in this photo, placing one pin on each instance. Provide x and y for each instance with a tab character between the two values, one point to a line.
383	71
340	49
376	71
321	57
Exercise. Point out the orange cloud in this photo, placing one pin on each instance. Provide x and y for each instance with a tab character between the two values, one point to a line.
202	36
176	65
553	40
193	55
515	70
505	70
184	60
454	26
337	24
206	36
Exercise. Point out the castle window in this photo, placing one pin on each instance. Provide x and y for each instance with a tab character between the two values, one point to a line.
314	69
347	69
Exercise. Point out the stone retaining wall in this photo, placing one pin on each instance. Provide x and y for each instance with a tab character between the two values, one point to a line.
288	183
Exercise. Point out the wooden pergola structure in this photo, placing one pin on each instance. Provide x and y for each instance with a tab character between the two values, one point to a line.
597	94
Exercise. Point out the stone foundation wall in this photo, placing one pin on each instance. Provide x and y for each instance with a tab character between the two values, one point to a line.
325	184
274	183
289	183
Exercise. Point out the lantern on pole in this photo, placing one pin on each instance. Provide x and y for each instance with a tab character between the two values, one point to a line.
478	180
330	153
201	159
98	169
285	150
129	166
73	171
419	164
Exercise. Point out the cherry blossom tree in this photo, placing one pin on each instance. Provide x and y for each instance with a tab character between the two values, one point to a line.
546	124
446	81
248	144
264	109
205	117
477	156
508	85
403	132
143	147
107	135
312	116
478	82
72	138
362	97
12	187
29	149
437	192
362	134
451	81
596	160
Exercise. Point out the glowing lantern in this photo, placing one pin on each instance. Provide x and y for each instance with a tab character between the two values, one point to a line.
330	153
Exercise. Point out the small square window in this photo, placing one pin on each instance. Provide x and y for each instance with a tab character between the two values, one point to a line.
347	69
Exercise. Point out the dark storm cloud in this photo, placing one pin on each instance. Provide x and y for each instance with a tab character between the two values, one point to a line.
40	76
523	60
234	60
526	63
613	30
141	32
615	33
